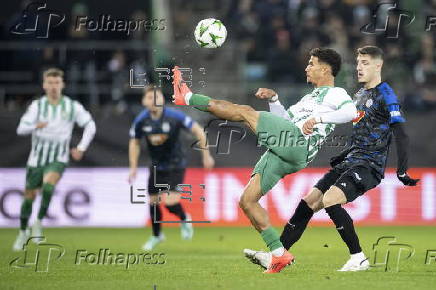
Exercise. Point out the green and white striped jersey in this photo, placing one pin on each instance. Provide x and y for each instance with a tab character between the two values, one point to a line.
52	142
320	101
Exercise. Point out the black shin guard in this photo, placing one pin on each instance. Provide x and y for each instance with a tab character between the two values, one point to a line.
177	209
155	216
294	229
345	227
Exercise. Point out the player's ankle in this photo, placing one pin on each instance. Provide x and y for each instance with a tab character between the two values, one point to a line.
278	252
358	256
188	97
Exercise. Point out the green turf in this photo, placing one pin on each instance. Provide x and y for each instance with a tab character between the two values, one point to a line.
214	260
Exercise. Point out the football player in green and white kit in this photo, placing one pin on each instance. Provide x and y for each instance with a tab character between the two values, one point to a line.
50	120
306	124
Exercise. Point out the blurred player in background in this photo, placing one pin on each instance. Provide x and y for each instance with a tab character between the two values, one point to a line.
358	168
50	119
308	123
161	127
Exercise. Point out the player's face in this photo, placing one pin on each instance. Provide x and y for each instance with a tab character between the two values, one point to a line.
150	103
368	68
53	87
315	70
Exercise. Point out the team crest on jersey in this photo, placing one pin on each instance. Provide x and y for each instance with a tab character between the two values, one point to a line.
166	127
369	103
360	115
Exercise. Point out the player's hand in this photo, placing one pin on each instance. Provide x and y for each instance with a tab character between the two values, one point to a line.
208	161
41	125
132	175
308	126
406	179
265	94
76	154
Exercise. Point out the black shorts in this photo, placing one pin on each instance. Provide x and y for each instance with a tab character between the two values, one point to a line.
353	181
171	177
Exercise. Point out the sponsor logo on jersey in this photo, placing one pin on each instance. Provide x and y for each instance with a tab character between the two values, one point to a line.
369	103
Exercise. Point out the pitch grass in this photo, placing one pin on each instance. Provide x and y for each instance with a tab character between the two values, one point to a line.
214	260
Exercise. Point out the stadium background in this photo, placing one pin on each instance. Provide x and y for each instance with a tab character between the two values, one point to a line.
267	46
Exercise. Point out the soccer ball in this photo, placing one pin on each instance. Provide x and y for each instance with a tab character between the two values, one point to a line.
210	33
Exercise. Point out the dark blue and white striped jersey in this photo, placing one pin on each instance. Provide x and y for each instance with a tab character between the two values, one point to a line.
162	136
378	109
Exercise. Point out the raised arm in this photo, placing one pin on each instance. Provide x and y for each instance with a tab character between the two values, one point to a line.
275	106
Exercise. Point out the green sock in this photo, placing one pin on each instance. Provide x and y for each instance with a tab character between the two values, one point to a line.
200	102
26	211
271	238
47	192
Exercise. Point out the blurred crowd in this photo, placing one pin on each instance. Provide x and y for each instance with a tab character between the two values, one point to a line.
278	35
274	35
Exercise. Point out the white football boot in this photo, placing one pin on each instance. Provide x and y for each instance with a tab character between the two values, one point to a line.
258	257
37	235
357	262
153	241
21	240
186	229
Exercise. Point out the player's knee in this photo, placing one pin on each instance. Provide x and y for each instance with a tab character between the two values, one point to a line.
314	199
245	203
330	199
154	199
30	194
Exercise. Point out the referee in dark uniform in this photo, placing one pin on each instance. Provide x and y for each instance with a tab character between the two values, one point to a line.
160	126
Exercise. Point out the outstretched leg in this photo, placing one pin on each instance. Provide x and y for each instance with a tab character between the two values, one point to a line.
220	108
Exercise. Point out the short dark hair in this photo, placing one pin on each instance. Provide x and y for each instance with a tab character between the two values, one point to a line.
152	88
328	56
373	51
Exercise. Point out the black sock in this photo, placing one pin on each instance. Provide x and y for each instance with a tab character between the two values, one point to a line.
177	209
345	227
296	225
155	215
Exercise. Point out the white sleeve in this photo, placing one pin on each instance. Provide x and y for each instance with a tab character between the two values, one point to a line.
341	103
29	119
83	119
277	109
82	116
88	135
